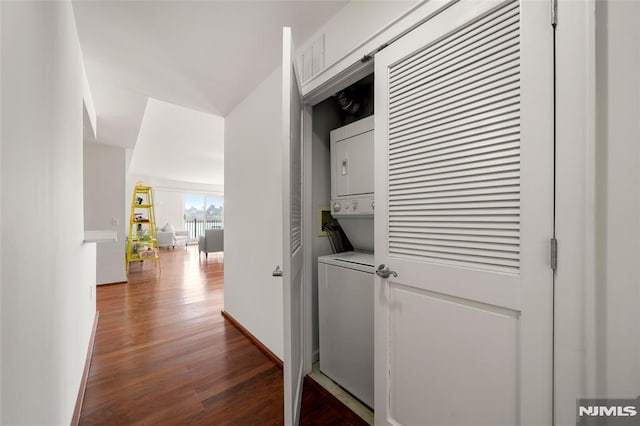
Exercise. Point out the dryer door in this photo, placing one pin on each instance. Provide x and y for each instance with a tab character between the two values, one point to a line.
354	165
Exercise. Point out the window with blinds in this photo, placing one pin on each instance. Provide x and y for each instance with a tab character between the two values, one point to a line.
454	147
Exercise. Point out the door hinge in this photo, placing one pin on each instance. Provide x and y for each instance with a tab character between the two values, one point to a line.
554	13
554	254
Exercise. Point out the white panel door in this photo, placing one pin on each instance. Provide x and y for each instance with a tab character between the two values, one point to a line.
292	226
464	214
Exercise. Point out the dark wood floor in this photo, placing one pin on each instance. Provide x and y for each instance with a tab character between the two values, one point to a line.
163	354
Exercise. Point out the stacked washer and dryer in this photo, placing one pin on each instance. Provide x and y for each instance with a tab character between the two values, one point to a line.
345	280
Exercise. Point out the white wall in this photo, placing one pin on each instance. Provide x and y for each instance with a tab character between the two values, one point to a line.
90	118
253	213
48	274
169	207
354	24
104	192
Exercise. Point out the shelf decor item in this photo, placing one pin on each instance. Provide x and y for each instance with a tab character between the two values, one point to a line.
142	243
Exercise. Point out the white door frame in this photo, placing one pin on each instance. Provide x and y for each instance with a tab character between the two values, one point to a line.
574	312
574	330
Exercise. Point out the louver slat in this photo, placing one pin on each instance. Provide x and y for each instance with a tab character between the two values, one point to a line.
400	72
483	62
489	83
470	151
505	237
491	188
454	148
460	205
295	151
458	222
412	156
482	122
462	157
490	195
490	101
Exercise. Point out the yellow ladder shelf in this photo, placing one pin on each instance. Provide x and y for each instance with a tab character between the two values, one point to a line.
142	243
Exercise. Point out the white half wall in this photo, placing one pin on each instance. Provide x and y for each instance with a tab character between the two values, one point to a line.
48	274
104	206
253	213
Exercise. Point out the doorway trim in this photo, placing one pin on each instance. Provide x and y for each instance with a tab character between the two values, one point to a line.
575	338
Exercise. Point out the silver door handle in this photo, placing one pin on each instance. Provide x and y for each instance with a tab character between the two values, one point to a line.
384	272
277	272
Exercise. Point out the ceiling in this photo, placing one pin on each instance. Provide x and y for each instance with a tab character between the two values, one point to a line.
206	56
171	134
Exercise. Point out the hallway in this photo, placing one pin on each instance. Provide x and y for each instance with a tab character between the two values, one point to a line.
164	354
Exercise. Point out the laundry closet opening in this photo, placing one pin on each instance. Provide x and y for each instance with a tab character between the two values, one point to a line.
340	215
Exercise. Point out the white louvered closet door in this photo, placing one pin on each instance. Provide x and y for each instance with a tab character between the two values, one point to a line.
292	232
464	214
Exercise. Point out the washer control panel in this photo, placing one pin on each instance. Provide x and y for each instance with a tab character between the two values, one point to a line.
352	206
